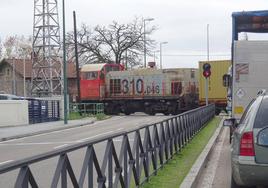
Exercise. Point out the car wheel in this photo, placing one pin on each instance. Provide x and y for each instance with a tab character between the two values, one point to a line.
233	183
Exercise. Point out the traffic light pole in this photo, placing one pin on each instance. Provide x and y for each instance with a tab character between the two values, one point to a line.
206	91
206	74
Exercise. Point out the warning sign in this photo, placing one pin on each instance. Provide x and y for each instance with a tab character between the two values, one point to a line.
241	71
240	93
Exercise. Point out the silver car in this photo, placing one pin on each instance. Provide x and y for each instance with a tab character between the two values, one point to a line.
249	147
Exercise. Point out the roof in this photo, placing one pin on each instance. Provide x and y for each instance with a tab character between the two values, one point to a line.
92	67
71	68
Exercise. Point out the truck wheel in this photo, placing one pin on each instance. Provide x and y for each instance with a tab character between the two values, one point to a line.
218	111
150	110
127	112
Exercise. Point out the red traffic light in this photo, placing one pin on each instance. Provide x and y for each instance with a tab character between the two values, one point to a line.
207	73
206	70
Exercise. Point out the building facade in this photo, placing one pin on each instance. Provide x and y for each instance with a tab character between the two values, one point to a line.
16	75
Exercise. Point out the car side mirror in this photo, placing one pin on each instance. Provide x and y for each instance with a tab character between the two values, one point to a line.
262	137
231	122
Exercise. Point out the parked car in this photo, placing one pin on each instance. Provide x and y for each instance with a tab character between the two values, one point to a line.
249	146
9	97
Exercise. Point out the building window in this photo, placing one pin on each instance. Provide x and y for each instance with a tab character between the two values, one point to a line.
192	73
8	72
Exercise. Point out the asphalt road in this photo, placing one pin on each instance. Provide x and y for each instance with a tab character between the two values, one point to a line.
25	147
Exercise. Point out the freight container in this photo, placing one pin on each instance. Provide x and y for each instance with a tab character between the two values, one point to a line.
249	72
217	93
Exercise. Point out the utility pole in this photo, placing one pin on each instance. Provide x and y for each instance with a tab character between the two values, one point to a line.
126	60
144	27
13	76
64	65
161	43
76	58
24	81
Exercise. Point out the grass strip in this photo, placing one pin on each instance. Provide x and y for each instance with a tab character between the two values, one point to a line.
176	169
76	115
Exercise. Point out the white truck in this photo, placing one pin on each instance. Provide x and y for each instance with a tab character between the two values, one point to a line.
249	74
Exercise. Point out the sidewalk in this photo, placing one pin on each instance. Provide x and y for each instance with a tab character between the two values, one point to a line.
192	178
8	133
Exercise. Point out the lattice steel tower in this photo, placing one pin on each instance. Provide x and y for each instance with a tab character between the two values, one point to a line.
46	61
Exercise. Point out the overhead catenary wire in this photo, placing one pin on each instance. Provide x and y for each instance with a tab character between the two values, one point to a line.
193	55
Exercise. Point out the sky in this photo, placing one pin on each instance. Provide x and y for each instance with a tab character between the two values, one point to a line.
181	23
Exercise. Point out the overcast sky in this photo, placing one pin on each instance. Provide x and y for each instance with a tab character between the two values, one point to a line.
182	23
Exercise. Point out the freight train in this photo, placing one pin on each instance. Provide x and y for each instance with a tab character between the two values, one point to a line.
150	90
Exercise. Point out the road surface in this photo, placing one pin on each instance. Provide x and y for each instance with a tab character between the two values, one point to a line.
25	147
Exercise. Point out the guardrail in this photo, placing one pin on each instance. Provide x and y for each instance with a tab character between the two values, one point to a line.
87	108
41	110
133	162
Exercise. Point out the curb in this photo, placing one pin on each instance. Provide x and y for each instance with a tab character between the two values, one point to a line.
194	174
45	131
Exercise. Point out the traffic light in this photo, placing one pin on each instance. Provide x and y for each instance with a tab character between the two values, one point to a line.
206	70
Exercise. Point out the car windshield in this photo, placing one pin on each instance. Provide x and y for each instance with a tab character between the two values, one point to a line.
261	119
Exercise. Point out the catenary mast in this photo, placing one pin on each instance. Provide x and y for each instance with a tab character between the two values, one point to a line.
46	61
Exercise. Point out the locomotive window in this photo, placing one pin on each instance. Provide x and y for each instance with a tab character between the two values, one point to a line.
115	86
176	88
111	68
90	75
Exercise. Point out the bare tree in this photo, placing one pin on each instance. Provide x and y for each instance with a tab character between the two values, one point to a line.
89	48
17	47
109	44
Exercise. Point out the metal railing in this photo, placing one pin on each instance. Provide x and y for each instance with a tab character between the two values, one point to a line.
141	153
41	110
87	108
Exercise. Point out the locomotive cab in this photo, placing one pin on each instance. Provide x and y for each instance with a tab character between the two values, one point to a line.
92	80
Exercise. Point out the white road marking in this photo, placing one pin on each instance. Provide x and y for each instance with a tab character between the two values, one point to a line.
36	143
85	139
1	163
44	134
61	146
120	129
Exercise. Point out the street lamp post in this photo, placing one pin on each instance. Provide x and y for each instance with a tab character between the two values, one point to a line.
144	25
155	55
161	43
24	81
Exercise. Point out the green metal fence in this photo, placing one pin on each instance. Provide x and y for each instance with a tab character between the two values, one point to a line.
87	108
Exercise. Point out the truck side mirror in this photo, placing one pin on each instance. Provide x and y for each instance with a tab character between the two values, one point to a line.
226	80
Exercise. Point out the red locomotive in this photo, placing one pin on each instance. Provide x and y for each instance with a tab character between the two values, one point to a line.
168	91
